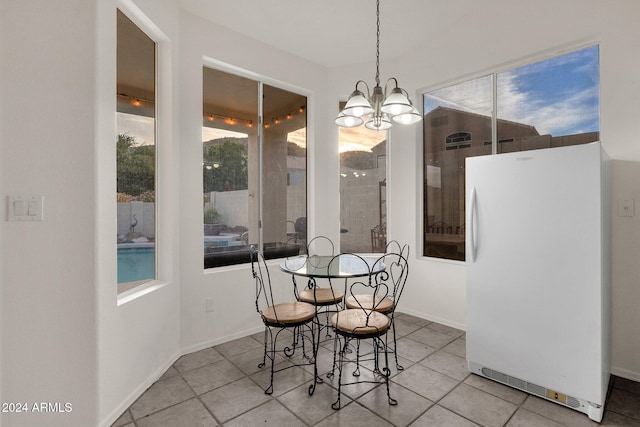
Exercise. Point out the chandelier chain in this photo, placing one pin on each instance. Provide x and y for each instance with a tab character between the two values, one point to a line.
377	42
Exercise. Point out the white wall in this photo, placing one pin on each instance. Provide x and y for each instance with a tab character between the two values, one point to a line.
47	130
3	14
234	308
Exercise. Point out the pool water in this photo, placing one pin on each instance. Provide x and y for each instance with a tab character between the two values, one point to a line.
135	264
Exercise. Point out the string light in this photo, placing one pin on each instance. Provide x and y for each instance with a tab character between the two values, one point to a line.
135	101
232	121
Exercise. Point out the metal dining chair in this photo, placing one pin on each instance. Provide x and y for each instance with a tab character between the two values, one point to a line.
325	299
363	322
397	266
296	316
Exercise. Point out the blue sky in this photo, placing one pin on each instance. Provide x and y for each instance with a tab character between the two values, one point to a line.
559	96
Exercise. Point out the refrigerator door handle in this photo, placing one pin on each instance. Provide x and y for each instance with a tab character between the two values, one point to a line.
472	231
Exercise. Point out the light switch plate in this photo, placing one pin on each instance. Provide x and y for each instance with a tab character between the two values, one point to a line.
24	209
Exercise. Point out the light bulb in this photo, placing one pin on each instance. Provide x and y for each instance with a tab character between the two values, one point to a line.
405	119
396	109
358	111
349	121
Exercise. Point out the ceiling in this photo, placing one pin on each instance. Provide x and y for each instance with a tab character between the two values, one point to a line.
331	33
336	33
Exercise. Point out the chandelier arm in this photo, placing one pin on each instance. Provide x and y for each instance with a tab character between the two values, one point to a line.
366	85
387	84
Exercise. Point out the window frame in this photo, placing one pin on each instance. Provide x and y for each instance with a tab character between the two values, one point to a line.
163	126
263	80
493	73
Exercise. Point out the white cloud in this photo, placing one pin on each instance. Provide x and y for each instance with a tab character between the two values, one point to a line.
141	128
473	96
569	106
566	115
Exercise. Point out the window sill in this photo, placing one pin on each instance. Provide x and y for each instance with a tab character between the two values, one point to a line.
444	260
139	291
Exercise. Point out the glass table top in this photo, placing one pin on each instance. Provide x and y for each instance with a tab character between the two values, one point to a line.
344	265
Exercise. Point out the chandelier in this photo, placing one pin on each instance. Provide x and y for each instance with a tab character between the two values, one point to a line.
378	109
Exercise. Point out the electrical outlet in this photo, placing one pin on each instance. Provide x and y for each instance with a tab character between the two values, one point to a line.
209	304
625	207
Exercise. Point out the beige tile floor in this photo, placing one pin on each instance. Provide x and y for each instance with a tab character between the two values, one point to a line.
222	385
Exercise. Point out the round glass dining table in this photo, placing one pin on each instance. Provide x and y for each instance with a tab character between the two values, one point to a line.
344	266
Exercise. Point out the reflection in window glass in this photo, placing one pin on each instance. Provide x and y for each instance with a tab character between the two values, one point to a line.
229	154
546	104
284	172
551	103
254	177
363	189
457	124
135	155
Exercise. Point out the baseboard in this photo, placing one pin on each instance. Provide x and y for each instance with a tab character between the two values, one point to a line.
436	319
625	373
134	395
221	340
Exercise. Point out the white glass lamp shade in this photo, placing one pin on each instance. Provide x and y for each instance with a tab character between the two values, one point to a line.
348	121
396	103
357	105
378	123
409	118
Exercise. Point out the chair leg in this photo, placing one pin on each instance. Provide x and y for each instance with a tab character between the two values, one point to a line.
315	343
356	373
387	373
299	338
264	355
272	356
336	405
327	325
335	352
399	367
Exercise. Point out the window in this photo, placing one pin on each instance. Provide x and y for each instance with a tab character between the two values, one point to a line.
363	189
254	169
135	154
546	104
458	137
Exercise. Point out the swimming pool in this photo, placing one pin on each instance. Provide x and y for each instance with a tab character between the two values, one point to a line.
136	264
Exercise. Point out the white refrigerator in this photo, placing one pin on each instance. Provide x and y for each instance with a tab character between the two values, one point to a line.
538	273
